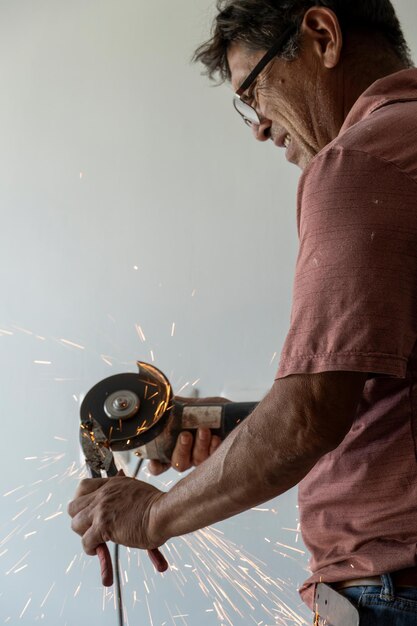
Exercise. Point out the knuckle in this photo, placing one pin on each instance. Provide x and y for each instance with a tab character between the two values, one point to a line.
181	465
86	547
185	441
215	443
155	467
199	456
84	485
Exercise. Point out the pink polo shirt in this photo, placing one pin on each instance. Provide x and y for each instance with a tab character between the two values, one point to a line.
355	309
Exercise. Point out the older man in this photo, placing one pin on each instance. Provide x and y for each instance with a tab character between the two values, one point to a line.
331	82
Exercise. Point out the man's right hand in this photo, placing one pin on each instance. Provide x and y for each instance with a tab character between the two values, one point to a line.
188	452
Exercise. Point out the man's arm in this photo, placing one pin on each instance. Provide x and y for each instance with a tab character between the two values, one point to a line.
302	418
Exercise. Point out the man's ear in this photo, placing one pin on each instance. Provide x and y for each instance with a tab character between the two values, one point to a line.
321	28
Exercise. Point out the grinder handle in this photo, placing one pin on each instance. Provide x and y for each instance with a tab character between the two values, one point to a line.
106	565
233	414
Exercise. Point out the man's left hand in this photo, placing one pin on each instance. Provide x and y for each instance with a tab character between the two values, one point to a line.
115	509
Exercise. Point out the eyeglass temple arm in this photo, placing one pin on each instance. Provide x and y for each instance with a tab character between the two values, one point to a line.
263	62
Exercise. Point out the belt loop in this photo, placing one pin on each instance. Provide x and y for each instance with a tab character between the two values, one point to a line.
387	591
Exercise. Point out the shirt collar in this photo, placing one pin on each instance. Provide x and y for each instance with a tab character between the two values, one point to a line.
398	87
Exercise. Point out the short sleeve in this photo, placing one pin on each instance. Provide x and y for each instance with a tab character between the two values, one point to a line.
355	289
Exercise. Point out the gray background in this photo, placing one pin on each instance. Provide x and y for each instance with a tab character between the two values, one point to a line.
131	194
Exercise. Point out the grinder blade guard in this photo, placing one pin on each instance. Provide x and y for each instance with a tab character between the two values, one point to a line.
134	413
132	409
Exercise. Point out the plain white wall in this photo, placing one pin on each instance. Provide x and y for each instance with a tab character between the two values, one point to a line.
130	194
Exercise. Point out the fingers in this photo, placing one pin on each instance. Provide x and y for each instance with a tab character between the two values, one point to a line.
158	560
88	485
181	457
91	540
215	442
81	521
156	467
189	451
79	504
201	450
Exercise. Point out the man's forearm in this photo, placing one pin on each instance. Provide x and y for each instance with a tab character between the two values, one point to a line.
270	452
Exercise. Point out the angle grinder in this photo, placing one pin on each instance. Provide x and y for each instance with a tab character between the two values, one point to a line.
138	411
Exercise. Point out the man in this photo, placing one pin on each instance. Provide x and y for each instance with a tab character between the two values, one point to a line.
330	81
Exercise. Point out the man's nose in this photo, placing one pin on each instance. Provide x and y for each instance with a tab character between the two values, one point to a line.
262	131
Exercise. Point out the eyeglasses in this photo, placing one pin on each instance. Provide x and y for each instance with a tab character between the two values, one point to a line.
248	113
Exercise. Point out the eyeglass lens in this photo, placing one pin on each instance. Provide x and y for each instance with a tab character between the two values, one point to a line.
248	113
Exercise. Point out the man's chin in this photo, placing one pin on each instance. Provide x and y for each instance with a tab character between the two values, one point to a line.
301	157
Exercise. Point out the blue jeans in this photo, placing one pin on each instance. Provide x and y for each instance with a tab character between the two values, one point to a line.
384	606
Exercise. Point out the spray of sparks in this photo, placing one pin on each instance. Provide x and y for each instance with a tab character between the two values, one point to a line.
234	586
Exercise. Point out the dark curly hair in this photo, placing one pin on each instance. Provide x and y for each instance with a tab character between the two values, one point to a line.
259	23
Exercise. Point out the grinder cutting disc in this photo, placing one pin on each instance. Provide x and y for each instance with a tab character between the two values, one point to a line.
131	408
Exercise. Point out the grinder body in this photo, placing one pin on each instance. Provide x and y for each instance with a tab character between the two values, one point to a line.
138	412
221	419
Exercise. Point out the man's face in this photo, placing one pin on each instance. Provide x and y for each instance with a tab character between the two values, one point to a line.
291	99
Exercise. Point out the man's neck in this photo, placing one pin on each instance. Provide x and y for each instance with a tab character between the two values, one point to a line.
365	62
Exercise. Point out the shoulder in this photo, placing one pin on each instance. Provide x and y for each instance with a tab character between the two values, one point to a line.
362	177
384	139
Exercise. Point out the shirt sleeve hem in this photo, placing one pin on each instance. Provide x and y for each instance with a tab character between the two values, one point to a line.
376	363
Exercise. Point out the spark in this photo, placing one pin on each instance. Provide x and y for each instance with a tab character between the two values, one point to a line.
23	330
9	493
30	534
9	536
19	514
183	387
20	568
140	333
30	458
258	509
152	356
173	329
106	359
47	595
81	175
18	563
77	591
135	267
283	545
25	607
53	516
273	358
71	343
195	382
5	332
60	438
149	611
43	362
71	564
194	291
